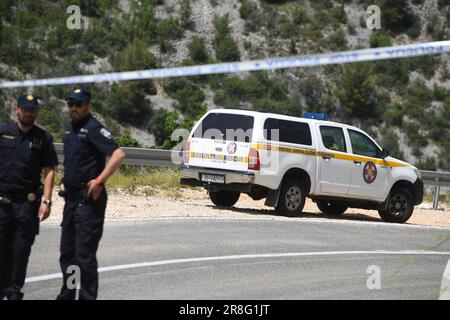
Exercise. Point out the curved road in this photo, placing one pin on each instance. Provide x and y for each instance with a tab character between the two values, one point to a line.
254	259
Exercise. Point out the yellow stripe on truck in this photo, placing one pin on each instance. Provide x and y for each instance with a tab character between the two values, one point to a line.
314	153
221	157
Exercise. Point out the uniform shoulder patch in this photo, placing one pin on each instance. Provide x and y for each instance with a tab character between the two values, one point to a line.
106	133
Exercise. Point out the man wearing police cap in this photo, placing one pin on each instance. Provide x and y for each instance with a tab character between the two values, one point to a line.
87	143
25	151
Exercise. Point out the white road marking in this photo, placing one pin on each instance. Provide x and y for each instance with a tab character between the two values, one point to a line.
245	256
445	284
271	218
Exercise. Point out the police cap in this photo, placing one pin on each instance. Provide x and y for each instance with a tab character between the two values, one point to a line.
27	101
81	95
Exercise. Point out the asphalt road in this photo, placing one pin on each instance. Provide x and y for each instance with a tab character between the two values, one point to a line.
255	259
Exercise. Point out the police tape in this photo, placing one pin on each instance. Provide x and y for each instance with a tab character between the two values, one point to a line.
373	54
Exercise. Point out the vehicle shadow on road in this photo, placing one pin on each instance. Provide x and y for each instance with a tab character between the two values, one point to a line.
305	214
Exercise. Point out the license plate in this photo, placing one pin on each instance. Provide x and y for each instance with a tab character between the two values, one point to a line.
212	178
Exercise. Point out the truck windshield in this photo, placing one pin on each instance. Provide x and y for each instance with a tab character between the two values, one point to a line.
224	126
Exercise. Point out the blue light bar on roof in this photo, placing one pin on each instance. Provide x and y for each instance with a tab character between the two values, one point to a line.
317	116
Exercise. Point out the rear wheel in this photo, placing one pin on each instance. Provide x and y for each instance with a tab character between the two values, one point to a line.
292	197
400	206
224	198
331	207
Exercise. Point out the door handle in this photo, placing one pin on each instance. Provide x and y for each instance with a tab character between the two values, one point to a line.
357	162
326	157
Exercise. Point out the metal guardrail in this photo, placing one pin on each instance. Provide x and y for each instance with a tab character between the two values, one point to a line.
436	179
163	158
139	156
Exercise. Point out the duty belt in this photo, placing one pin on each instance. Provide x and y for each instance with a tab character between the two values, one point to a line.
75	195
21	197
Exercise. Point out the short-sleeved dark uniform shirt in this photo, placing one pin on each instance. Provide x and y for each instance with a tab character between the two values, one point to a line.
86	145
22	157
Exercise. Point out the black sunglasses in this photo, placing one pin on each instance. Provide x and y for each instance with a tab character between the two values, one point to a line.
76	104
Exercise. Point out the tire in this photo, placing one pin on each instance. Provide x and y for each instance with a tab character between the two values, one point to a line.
331	207
400	206
224	198
292	198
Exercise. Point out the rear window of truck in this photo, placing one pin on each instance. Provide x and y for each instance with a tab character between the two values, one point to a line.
226	126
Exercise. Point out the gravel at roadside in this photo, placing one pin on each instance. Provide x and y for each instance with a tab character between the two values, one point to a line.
145	203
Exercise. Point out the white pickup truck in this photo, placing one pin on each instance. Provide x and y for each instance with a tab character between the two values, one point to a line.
285	159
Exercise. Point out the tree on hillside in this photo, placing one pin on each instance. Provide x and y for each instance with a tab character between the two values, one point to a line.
356	91
128	104
225	46
145	25
397	15
137	57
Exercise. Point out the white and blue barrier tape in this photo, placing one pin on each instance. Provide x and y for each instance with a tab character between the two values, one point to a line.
384	53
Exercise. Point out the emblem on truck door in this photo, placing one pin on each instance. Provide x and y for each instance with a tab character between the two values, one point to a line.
231	148
369	172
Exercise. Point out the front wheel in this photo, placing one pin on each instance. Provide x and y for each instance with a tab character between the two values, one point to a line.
224	198
331	207
400	206
292	197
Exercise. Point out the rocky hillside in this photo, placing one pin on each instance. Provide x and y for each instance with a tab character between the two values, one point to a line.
404	103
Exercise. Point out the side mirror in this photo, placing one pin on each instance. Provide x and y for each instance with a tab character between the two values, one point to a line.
384	153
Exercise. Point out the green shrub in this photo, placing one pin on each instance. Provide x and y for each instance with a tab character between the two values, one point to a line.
316	94
169	29
4	111
128	103
127	141
144	23
416	139
226	48
197	50
162	124
134	57
418	90
415	29
190	97
390	141
338	14
392	74
425	64
257	89
300	16
440	93
379	39
397	15
394	115
287	29
336	41
246	9
185	12
429	163
351	28
221	27
435	29
356	91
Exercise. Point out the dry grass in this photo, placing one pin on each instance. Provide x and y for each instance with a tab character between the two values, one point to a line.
131	177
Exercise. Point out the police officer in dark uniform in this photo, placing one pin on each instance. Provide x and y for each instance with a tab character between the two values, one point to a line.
25	151
86	145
